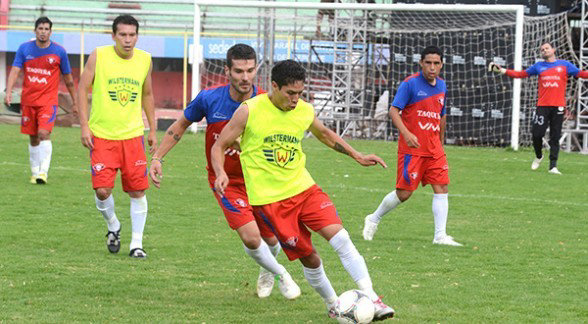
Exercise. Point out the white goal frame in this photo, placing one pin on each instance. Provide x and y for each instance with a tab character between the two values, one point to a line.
517	9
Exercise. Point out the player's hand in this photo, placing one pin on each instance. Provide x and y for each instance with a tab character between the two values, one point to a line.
156	172
87	137
152	141
411	140
493	67
221	183
8	98
371	159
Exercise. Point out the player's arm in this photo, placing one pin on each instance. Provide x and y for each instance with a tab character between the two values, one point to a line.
172	136
149	108
227	137
410	138
493	67
12	76
69	83
86	81
334	141
442	124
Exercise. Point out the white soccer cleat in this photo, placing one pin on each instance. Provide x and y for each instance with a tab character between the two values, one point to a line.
535	164
265	283
554	170
382	311
446	240
369	228
288	287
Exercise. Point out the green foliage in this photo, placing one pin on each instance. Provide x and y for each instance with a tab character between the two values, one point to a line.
524	260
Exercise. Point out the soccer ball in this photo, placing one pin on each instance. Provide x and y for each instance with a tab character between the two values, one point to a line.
355	307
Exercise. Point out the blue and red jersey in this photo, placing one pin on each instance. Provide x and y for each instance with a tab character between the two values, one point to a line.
553	77
41	68
422	106
216	105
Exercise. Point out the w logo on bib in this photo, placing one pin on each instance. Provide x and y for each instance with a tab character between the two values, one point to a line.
123	96
279	156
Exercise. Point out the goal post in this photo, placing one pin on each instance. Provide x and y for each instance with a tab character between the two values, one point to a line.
361	52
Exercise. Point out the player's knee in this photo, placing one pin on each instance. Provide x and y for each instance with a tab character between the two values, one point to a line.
34	140
44	135
271	241
103	193
252	242
312	261
403	195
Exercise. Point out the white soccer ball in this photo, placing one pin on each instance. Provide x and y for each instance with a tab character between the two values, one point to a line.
355	307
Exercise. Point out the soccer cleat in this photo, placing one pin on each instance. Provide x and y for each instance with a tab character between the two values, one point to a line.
382	311
138	253
445	240
265	283
369	228
41	178
535	163
554	170
332	312
33	180
288	287
113	241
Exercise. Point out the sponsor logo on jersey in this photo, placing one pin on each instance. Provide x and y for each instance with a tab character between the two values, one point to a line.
240	202
421	94
550	85
291	241
36	79
429	114
98	167
123	90
550	77
51	60
429	127
219	115
280	156
38	71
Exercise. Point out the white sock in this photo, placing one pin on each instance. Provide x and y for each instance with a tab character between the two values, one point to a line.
34	159
353	262
275	249
138	219
317	278
264	257
388	203
106	207
45	150
440	210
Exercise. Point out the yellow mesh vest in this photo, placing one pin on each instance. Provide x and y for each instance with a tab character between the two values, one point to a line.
116	94
274	165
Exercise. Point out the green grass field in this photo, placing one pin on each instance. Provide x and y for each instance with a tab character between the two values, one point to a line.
525	257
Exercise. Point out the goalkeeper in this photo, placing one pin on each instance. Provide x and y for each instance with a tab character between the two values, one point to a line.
553	76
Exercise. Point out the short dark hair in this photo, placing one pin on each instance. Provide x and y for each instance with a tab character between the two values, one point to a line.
43	20
431	50
240	52
287	72
125	20
547	42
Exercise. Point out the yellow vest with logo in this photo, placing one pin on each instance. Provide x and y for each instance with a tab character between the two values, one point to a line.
274	166
116	94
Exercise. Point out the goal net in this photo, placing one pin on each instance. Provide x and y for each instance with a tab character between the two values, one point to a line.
356	55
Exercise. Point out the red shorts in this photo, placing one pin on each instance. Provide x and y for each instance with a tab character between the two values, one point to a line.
289	220
127	155
235	206
413	169
35	118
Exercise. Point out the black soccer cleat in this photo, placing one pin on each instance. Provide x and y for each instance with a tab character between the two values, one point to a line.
113	241
138	253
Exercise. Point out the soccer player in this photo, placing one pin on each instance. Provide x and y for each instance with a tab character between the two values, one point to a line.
41	60
217	105
284	196
120	79
551	105
418	111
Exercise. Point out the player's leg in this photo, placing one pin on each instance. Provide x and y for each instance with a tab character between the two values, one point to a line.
28	125
538	131
46	121
555	124
407	179
104	166
317	278
134	182
319	214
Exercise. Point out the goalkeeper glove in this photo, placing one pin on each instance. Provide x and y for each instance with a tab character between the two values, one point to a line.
493	67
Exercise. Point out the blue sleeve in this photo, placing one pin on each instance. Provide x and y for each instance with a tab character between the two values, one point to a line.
64	65
196	110
19	58
532	70
403	95
443	110
572	69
